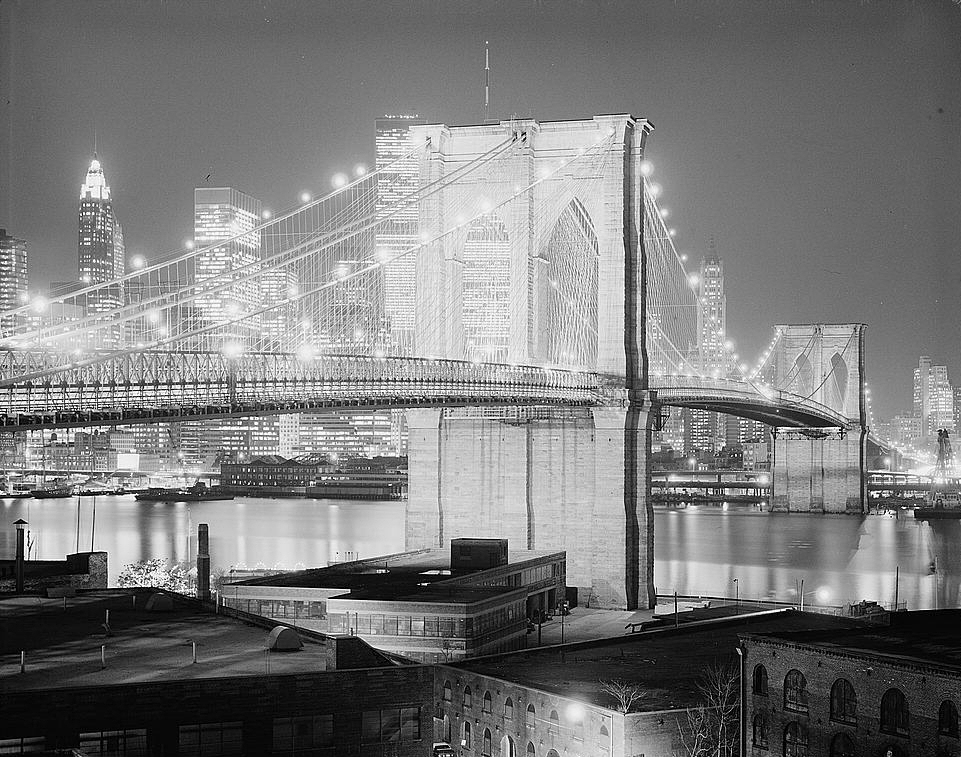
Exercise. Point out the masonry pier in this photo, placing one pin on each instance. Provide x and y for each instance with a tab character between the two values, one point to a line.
572	479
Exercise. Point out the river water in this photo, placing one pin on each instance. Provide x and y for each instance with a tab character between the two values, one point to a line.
698	550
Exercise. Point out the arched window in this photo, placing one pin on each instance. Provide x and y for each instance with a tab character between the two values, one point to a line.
530	749
844	702
760	681
531	720
948	719
842	746
447	733
553	753
468	698
486	748
796	740
509	709
487	702
466	742
446	691
605	740
760	731
507	747
894	713
795	691
555	725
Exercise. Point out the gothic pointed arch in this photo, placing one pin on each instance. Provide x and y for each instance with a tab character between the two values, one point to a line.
836	386
566	290
803	382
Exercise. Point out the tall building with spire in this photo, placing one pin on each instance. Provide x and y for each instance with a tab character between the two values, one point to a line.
100	249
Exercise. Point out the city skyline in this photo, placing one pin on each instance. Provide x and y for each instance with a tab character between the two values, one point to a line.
774	178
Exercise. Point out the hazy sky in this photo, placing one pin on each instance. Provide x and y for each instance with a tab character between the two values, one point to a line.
819	142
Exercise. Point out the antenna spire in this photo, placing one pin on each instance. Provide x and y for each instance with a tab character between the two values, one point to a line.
487	82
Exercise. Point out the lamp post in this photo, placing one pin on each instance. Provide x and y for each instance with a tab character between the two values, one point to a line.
737	598
20	523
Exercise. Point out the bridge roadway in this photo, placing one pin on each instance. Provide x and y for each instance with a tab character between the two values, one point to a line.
122	388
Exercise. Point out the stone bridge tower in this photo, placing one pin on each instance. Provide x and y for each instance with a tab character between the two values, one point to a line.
823	469
572	479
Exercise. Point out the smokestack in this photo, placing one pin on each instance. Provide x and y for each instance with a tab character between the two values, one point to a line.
203	563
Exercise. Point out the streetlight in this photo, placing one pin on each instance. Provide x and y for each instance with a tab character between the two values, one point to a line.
737	598
20	523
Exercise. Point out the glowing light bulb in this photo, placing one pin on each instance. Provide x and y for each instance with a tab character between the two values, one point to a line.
339	180
360	170
305	197
266	215
655	190
647	168
665	212
138	261
189	244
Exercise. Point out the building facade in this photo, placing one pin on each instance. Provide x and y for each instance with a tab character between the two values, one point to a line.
933	398
13	279
877	692
224	220
101	251
412	603
399	176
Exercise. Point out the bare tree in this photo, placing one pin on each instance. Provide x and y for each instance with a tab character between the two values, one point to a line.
624	692
713	726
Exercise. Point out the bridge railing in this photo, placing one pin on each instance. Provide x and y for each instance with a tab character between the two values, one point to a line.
141	385
706	388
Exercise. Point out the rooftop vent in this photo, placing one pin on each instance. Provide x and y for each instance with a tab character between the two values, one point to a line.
283	639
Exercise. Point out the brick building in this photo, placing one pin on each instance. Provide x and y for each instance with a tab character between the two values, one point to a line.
884	691
551	702
126	682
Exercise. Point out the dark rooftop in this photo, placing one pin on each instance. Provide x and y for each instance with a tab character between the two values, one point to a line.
666	663
391	573
922	636
429	594
63	646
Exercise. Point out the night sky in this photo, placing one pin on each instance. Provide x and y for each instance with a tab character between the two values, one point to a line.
819	142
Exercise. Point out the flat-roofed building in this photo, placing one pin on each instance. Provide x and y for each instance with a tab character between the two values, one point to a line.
139	690
413	603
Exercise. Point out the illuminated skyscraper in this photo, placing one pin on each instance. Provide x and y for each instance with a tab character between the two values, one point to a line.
933	398
398	233
486	280
100	247
222	215
13	278
704	431
711	315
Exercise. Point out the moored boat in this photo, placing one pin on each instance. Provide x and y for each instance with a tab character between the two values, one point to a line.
197	493
53	492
